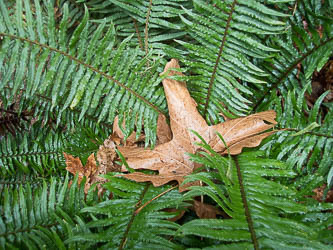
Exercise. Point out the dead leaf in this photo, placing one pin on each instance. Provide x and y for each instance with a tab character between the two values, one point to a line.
106	156
171	158
206	211
90	171
163	132
118	135
319	194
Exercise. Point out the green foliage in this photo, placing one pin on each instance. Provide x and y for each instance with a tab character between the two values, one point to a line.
117	224
88	72
37	152
263	212
225	41
45	215
67	68
303	49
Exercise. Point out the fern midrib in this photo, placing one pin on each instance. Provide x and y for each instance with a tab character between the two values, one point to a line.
212	78
138	33
309	132
134	213
87	66
246	207
286	73
147	24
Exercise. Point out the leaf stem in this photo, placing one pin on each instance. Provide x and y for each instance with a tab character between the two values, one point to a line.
212	78
309	132
246	207
124	239
138	33
156	197
147	24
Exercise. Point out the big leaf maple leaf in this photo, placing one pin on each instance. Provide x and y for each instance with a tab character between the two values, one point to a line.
171	158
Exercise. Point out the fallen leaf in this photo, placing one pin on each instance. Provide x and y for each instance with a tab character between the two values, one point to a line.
118	135
107	155
90	171
171	158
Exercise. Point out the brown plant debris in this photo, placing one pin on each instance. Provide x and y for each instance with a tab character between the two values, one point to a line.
90	171
319	194
322	81
206	211
170	157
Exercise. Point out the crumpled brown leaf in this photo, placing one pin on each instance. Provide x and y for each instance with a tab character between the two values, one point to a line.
170	157
90	171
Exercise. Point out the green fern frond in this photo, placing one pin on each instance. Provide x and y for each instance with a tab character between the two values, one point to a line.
121	225
37	152
225	35
309	154
155	23
87	72
43	216
304	49
262	211
74	65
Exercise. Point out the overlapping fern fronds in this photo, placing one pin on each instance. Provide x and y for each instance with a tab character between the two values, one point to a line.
263	213
155	23
88	73
38	152
225	35
47	215
127	222
74	65
304	48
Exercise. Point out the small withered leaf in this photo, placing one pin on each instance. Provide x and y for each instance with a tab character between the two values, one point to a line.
90	171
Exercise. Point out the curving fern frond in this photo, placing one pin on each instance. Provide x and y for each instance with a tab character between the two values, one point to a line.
88	72
310	153
261	211
127	222
225	34
44	216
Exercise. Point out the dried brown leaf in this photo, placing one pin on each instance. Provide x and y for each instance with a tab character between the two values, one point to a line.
74	166
163	132
90	171
170	158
